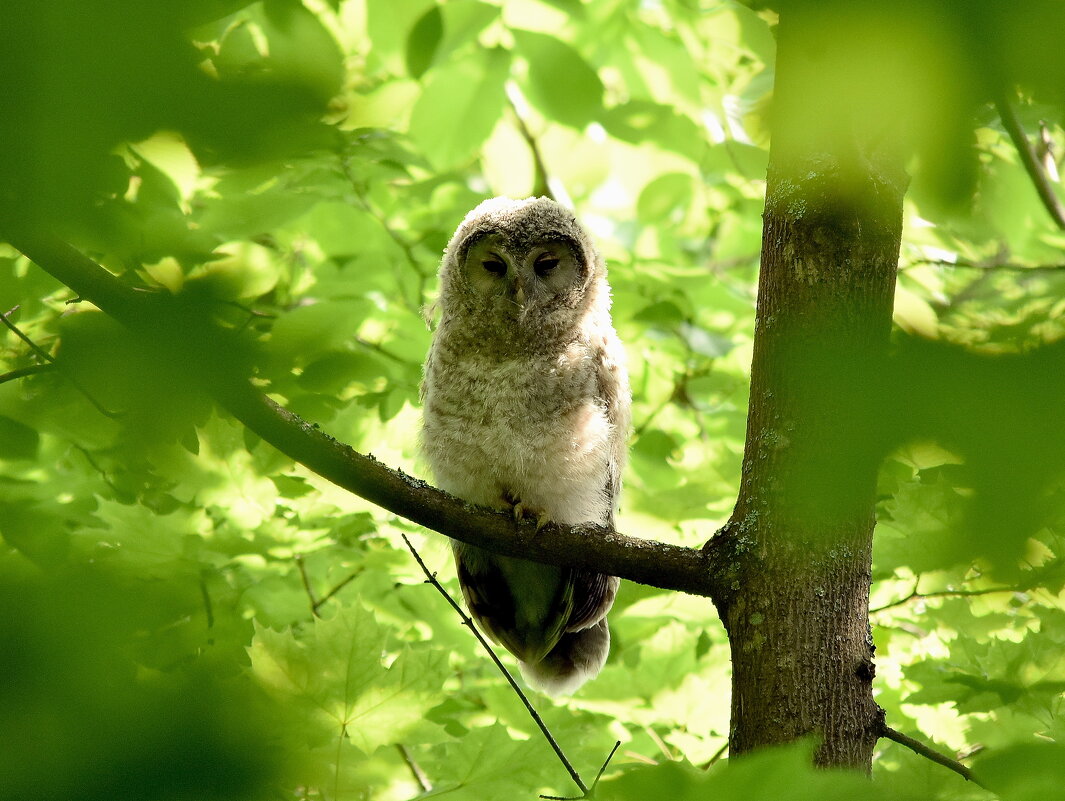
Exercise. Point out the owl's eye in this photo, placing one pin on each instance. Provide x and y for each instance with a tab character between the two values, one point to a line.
545	264
495	267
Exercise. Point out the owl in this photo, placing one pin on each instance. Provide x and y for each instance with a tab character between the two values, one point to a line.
526	408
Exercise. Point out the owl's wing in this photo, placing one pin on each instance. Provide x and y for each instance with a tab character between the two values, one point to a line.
524	606
613	387
593	595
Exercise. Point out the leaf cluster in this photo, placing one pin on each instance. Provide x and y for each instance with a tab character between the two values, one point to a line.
187	613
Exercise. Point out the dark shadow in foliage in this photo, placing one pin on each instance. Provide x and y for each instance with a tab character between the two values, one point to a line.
89	713
1000	412
79	78
915	75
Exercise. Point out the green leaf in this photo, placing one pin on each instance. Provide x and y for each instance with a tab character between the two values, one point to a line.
17	440
705	343
782	773
666	198
424	40
560	82
301	45
485	765
1028	772
310	331
461	102
639	121
340	674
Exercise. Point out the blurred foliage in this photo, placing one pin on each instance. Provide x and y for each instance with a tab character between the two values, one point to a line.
294	171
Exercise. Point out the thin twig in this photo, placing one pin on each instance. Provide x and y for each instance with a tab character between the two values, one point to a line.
541	181
415	768
22	372
318	604
48	358
643	758
606	762
657	740
972	265
1030	160
382	220
207	607
307	584
119	492
377	348
595	783
41	352
716	757
930	753
466	621
915	595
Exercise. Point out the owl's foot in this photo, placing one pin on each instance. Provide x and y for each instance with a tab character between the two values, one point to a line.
522	512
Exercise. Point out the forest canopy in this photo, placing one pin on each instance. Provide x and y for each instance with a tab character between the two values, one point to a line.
189	613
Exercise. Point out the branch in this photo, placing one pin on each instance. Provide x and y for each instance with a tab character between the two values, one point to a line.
930	753
430	578
159	320
22	372
1030	160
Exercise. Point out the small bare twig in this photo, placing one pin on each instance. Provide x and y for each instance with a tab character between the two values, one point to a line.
307	584
542	181
1030	160
208	608
595	783
990	267
915	595
716	757
430	578
99	468
37	349
415	768
318	604
657	740
606	762
406	247
930	753
41	353
22	372
377	348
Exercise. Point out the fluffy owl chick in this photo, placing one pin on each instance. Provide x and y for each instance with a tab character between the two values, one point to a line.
526	407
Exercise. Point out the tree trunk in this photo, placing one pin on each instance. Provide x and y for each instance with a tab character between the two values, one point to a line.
797	551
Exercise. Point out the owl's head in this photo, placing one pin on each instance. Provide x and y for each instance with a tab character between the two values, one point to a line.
524	261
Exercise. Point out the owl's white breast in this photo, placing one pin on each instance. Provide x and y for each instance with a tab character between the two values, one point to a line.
531	429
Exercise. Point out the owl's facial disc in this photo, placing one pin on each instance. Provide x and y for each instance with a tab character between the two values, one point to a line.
518	277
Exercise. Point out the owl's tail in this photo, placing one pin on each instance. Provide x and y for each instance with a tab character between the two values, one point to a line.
576	657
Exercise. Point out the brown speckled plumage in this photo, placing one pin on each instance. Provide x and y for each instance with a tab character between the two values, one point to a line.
526	404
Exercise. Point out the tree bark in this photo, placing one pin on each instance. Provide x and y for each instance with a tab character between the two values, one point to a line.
797	549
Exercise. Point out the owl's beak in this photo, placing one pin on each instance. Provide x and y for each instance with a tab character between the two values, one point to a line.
519	295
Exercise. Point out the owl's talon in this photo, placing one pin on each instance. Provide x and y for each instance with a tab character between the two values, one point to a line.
522	512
